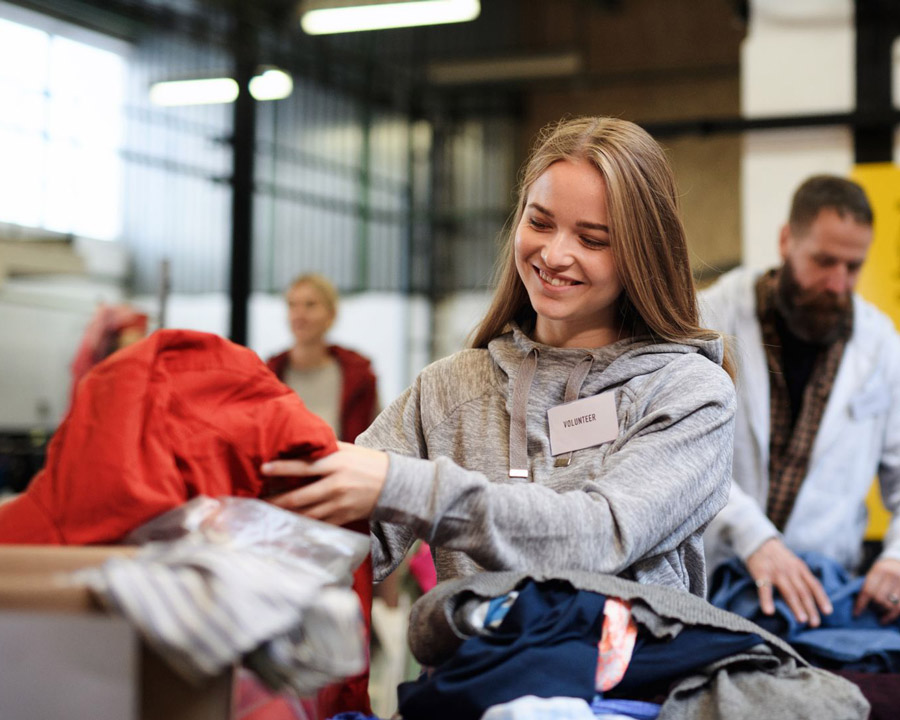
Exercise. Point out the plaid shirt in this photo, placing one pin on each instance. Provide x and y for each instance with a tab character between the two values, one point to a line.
790	444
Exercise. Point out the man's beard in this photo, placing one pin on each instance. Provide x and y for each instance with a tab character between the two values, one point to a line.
815	316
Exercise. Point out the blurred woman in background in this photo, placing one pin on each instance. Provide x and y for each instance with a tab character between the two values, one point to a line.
335	383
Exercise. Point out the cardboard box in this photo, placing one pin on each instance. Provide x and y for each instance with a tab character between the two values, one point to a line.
62	656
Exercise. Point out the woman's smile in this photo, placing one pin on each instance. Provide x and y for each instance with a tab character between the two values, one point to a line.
555	281
564	258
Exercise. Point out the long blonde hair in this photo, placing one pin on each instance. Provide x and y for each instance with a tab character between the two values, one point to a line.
647	238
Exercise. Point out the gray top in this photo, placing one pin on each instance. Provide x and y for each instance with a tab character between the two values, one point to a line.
319	389
635	506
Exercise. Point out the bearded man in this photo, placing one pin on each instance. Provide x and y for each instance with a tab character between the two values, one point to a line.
818	409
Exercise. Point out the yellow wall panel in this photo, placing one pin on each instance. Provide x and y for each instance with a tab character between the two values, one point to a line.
879	281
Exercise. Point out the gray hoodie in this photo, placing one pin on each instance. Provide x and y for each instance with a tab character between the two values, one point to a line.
635	506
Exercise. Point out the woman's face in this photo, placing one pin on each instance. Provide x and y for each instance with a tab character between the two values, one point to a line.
564	259
309	315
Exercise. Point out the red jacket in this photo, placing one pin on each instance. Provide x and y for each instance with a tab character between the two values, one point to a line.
173	416
359	396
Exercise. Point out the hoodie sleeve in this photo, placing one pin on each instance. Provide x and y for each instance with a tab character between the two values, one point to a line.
665	478
397	430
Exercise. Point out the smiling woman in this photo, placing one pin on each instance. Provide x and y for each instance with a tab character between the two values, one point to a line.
563	258
594	310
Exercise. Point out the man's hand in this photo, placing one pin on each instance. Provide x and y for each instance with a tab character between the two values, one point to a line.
772	565
882	588
351	481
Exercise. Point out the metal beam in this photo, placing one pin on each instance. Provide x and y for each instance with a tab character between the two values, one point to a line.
877	25
244	150
715	126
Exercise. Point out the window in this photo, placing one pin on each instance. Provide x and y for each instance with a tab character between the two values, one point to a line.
61	126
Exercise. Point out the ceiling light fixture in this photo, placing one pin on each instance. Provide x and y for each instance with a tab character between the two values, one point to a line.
270	84
209	91
505	69
325	17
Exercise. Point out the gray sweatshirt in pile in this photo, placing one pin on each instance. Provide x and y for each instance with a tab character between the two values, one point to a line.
634	506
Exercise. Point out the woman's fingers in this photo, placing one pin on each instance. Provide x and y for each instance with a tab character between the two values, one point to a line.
288	468
303	498
351	480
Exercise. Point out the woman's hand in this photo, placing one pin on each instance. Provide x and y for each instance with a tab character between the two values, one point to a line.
351	481
774	566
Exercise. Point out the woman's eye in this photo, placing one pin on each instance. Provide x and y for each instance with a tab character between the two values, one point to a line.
594	242
537	224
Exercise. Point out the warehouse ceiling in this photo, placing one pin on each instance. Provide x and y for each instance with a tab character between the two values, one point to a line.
514	46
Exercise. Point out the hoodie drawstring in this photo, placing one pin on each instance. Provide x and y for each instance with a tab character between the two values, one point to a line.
518	436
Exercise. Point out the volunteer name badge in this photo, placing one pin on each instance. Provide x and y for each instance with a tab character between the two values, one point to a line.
583	423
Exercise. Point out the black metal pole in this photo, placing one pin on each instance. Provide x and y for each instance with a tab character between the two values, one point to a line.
877	24
243	149
705	127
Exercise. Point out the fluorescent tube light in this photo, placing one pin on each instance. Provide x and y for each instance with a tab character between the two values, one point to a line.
504	69
273	84
324	17
194	92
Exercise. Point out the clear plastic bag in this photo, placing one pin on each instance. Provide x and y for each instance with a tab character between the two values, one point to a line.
218	581
324	551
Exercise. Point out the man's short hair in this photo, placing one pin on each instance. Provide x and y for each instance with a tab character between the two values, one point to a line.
828	191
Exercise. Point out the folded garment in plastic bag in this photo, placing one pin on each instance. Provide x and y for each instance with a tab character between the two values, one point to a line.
221	580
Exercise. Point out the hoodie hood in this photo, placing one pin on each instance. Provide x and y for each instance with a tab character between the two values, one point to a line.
613	364
552	375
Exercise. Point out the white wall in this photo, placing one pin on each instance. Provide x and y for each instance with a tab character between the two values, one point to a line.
42	320
774	163
798	59
455	318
